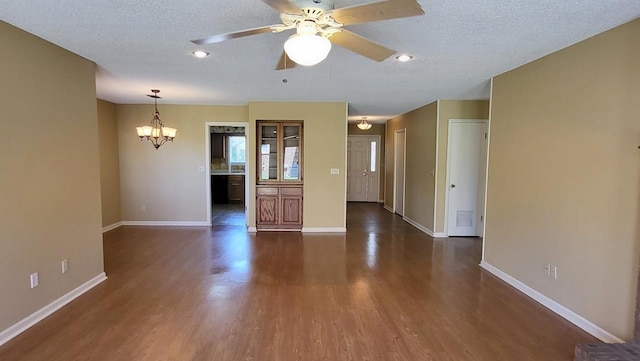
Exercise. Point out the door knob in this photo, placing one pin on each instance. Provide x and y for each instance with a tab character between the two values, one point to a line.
453	186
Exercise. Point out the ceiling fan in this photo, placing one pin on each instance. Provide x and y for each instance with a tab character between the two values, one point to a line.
318	25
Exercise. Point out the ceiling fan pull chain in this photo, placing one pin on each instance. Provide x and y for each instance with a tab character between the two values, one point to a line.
285	70
330	66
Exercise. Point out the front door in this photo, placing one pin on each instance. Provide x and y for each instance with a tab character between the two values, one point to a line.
362	169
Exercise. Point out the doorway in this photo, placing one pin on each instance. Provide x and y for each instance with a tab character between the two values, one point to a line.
400	151
466	177
226	154
363	168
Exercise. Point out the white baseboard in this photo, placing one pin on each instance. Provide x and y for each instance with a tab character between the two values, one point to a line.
324	229
440	235
167	223
45	311
554	306
418	225
110	227
252	229
388	208
380	200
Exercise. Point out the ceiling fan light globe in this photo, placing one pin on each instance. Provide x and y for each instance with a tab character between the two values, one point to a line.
307	49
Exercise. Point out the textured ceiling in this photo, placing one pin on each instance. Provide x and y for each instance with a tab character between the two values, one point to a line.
457	47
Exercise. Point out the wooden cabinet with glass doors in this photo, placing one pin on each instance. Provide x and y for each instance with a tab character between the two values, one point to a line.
279	175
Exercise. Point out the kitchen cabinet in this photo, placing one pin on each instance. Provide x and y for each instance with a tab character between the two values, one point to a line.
279	183
236	189
227	188
218	149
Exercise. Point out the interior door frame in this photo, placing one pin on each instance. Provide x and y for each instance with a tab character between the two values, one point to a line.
378	140
448	182
207	161
395	169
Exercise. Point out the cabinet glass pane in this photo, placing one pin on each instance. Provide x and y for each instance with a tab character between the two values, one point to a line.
291	143
269	153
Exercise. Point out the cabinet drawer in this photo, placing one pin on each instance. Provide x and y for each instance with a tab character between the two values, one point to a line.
236	180
267	191
286	191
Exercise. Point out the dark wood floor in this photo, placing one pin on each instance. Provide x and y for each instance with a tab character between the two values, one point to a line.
382	291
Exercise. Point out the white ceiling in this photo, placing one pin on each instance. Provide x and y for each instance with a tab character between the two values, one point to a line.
457	47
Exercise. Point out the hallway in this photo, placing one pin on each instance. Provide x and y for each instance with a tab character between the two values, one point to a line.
382	291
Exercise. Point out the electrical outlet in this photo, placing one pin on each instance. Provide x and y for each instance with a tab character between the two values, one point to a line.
554	272
34	280
143	207
547	269
65	266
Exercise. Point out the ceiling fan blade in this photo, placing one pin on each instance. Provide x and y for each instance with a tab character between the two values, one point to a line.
283	6
360	45
383	10
238	34
289	63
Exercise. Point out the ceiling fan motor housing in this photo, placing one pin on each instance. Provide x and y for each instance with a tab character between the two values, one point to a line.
307	27
309	5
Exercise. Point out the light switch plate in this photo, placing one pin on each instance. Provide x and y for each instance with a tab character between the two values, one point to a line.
335	171
34	280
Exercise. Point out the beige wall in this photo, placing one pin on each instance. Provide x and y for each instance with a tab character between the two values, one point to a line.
564	176
376	129
420	160
50	199
452	109
109	163
325	147
167	181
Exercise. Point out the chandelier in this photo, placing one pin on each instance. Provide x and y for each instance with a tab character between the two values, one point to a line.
156	133
364	125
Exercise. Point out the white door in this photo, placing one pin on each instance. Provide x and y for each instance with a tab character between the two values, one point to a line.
398	196
466	151
363	169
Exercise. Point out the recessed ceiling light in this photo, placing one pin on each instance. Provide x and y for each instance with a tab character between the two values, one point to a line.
404	57
200	54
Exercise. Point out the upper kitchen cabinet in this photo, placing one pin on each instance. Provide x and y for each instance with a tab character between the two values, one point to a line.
218	146
279	152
